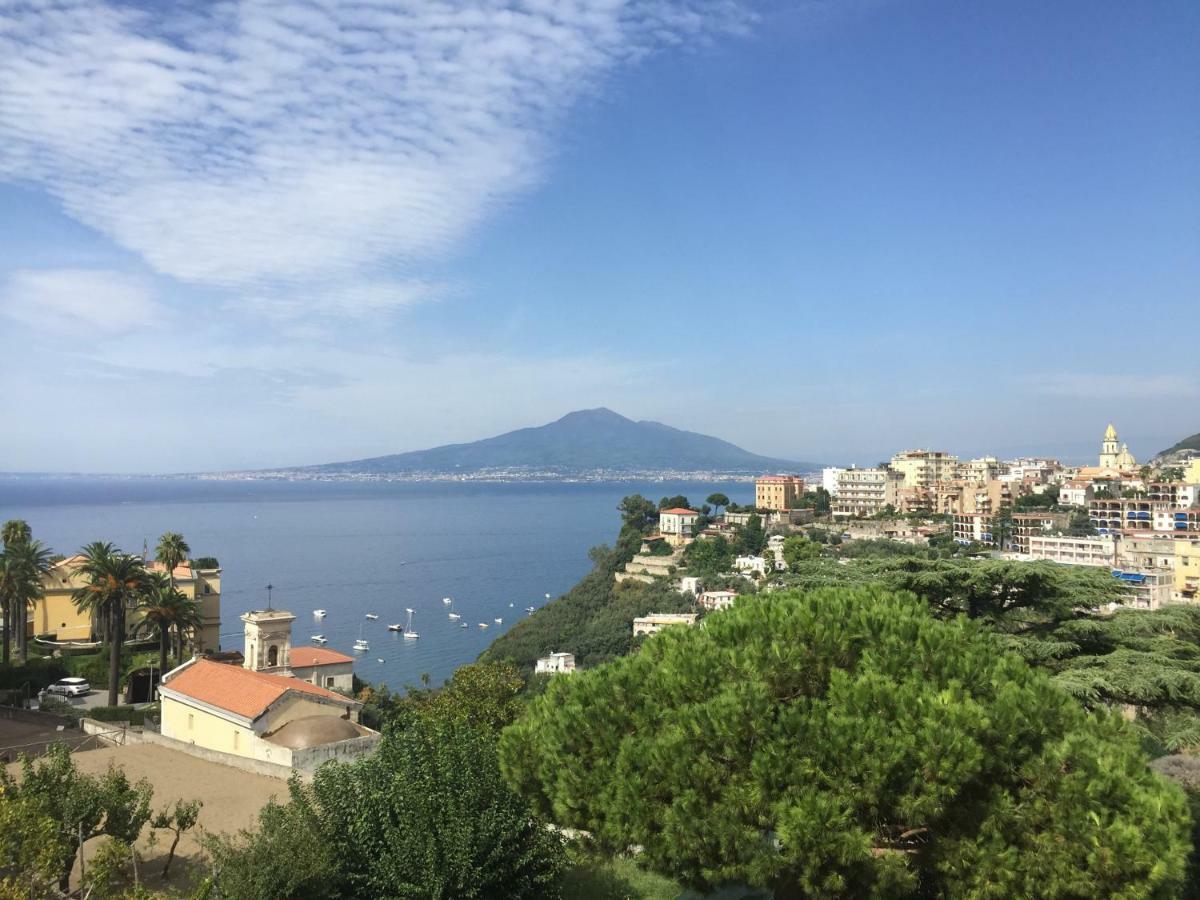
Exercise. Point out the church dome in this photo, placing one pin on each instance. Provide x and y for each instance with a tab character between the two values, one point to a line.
314	731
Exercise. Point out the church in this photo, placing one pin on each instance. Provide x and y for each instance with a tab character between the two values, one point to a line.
261	712
1114	455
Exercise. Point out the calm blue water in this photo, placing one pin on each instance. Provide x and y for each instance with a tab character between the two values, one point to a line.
358	548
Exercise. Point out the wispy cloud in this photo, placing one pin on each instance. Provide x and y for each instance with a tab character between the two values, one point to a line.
338	146
80	301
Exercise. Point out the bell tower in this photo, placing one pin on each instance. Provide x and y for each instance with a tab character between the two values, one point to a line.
268	640
1110	448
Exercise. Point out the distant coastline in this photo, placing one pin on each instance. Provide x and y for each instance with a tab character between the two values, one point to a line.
491	476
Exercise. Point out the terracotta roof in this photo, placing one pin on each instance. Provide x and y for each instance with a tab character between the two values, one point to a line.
183	570
240	691
316	656
679	511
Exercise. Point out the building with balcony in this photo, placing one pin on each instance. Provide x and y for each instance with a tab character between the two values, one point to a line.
864	492
1027	524
985	468
676	525
555	664
973	528
924	468
1147	590
1074	551
656	622
713	601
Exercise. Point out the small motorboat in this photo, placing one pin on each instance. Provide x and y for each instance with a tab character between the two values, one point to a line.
379	659
547	596
318	639
319	613
372	616
447	600
483	624
396	627
462	625
455	616
499	621
529	609
510	606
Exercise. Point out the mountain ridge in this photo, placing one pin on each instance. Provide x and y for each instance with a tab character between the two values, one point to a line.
582	440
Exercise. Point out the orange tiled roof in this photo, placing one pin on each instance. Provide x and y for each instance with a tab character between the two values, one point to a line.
238	690
183	570
679	511
316	656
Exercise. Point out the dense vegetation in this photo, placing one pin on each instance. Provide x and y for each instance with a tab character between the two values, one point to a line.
847	742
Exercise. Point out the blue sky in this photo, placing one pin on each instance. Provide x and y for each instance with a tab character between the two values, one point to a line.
235	237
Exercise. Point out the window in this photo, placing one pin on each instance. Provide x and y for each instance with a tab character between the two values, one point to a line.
273	656
328	681
235	740
191	722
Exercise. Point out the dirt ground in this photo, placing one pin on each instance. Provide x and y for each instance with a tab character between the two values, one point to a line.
32	738
231	797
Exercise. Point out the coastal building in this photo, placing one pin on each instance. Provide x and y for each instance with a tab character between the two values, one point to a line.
1145	551
712	601
259	711
975	527
829	478
865	492
1187	570
1147	590
1114	454
1075	493
656	622
1027	524
779	492
55	617
750	565
1074	551
985	468
923	468
676	525
323	667
555	664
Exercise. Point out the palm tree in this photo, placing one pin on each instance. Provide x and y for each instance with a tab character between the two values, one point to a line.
116	582
165	608
15	531
172	550
24	565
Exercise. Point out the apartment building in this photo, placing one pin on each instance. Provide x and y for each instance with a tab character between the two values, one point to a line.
864	492
1075	493
1074	551
985	468
1027	524
924	468
676	525
1131	515
1148	590
778	492
829	477
1187	570
973	527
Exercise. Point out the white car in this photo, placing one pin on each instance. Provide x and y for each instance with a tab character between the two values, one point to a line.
70	687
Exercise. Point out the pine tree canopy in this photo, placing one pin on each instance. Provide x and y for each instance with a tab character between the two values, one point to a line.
847	742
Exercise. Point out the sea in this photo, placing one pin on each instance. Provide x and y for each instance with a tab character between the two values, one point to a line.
353	548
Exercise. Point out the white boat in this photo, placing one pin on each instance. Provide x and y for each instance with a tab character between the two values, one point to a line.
408	632
361	645
372	616
396	627
455	616
483	624
319	613
510	606
318	639
529	609
447	600
462	624
499	621
547	596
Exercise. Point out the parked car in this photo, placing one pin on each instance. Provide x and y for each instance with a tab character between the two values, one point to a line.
70	687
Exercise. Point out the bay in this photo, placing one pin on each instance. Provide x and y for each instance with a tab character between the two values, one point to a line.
358	548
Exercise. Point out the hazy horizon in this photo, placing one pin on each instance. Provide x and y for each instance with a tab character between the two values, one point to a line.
244	236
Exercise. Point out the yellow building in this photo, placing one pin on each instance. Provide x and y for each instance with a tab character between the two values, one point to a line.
1191	472
1187	570
259	712
1113	454
781	492
924	468
55	614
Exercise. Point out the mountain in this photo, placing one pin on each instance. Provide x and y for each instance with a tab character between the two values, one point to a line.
1179	453
582	441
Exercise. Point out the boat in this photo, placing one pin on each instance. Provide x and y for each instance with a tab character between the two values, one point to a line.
483	624
547	596
462	624
455	616
510	606
529	609
372	616
361	645
318	639
447	600
396	627
499	621
319	613
408	632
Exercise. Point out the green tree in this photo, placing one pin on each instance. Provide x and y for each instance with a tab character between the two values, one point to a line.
797	549
708	557
429	816
638	513
31	848
677	502
23	562
751	538
848	743
180	818
818	500
719	500
116	582
81	806
172	550
165	609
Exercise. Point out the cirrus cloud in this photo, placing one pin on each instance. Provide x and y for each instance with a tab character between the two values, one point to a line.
263	147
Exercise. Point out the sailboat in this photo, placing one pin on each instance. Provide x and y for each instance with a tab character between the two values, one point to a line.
408	632
361	644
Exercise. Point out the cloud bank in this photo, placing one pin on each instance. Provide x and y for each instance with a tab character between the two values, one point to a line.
323	149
